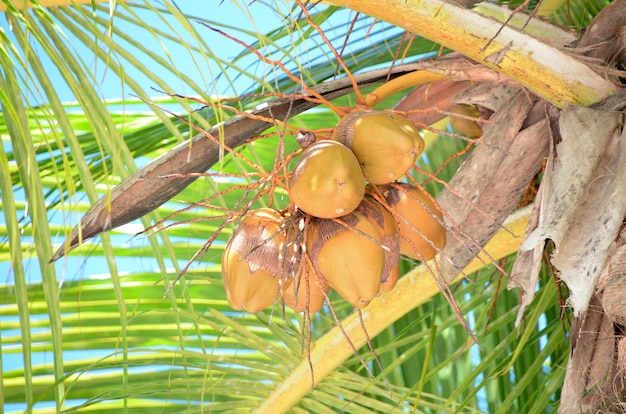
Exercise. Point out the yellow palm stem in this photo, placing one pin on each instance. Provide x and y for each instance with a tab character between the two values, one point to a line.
409	80
415	288
547	71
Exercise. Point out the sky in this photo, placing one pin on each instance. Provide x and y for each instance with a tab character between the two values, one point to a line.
232	12
110	85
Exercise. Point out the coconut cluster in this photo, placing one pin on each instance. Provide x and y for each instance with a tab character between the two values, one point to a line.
348	223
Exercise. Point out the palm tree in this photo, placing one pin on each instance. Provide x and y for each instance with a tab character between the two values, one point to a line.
93	330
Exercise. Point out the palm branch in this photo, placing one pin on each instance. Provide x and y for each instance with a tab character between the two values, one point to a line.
117	345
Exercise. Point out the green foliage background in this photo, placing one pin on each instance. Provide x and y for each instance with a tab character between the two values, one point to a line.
93	332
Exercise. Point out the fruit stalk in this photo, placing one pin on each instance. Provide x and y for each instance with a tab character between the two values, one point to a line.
401	83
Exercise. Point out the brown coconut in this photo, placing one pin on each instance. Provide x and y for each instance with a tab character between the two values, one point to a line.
420	221
347	253
327	181
307	292
465	126
254	262
390	240
385	143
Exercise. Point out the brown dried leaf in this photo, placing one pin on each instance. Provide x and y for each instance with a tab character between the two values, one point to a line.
486	95
612	281
599	39
527	265
485	87
429	100
590	361
584	210
596	374
489	183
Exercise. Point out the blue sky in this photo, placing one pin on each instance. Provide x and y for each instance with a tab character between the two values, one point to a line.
235	13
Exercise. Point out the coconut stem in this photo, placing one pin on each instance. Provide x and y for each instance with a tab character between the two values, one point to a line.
409	80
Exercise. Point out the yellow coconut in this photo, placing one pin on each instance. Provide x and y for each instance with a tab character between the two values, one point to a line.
390	240
386	144
466	126
254	262
306	294
419	219
327	181
247	290
347	253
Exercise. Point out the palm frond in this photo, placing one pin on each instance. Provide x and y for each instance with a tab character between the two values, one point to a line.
94	332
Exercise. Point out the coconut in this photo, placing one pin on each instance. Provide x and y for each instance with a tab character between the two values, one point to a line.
466	126
347	253
327	181
387	229
385	143
307	292
255	262
419	219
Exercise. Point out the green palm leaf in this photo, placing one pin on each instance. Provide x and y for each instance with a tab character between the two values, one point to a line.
93	331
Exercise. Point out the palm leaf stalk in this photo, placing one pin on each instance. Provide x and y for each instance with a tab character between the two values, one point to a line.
560	78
